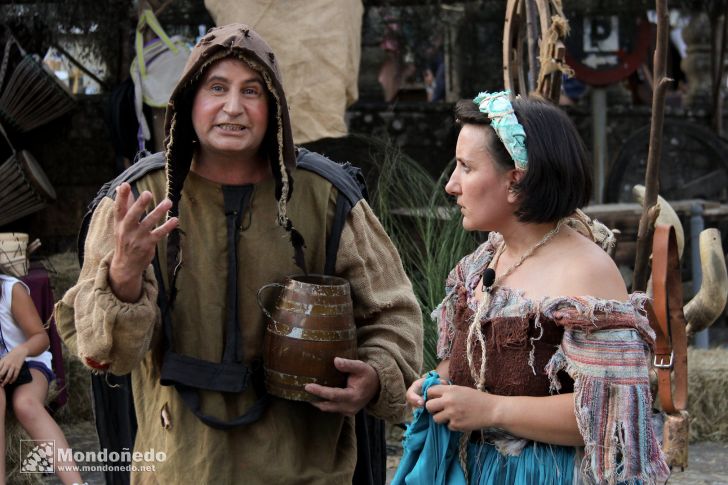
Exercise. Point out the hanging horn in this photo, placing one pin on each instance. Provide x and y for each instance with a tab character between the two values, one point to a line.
667	216
709	302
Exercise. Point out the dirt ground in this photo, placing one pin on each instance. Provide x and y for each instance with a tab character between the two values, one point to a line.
708	460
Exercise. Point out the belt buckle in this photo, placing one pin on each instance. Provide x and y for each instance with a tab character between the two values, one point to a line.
662	364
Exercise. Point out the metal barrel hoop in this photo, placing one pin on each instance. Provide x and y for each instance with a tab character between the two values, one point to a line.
314	324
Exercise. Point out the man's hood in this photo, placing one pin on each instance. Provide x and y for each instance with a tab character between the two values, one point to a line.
238	41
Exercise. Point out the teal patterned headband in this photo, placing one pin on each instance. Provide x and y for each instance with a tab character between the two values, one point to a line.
503	120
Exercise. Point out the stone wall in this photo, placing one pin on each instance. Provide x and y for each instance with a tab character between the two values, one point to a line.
425	132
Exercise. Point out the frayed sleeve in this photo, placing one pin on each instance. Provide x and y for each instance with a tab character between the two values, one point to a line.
388	317
106	333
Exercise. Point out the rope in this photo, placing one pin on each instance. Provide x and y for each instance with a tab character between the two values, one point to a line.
558	30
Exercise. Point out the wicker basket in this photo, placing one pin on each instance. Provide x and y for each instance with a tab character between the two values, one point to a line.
13	253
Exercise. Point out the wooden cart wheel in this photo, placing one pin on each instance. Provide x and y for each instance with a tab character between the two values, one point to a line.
694	164
522	70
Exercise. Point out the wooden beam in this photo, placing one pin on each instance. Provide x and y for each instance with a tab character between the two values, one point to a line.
78	64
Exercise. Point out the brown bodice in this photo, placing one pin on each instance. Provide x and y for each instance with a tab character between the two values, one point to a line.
509	342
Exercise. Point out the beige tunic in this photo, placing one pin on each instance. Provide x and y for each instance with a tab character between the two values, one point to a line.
293	442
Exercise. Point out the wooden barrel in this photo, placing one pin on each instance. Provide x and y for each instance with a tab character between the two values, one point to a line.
312	322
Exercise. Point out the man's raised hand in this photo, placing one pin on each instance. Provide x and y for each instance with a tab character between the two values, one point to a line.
136	239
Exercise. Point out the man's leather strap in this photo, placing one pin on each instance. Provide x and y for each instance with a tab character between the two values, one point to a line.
671	345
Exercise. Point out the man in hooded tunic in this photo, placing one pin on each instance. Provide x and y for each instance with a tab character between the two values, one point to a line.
228	131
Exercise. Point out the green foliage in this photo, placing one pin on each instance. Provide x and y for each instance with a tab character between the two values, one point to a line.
416	213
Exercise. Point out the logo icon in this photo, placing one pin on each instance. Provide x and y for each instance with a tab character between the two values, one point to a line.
38	456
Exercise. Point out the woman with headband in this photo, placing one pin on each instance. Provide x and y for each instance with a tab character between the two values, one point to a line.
544	356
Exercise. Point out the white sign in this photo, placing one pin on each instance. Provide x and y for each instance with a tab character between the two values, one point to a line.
601	34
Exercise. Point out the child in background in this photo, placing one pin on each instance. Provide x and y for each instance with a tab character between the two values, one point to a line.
25	373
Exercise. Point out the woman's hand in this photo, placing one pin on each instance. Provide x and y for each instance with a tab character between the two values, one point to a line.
461	408
10	365
414	393
548	419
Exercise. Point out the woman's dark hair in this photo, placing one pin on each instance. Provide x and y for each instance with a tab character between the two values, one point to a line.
558	179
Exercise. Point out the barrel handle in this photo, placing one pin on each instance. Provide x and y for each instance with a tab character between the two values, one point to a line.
260	301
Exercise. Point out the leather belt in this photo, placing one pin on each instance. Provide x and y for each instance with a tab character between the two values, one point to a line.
668	322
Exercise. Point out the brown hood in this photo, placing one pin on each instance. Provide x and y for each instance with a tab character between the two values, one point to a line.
234	40
240	41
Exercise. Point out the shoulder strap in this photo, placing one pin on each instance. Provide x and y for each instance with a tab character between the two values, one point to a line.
131	174
187	374
350	184
343	207
669	322
190	375
347	178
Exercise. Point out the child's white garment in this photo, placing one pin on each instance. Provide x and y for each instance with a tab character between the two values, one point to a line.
11	335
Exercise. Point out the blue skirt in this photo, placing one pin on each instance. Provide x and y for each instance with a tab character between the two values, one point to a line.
431	457
538	463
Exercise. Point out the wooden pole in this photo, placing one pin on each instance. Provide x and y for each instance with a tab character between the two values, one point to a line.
78	64
158	11
532	42
718	73
650	208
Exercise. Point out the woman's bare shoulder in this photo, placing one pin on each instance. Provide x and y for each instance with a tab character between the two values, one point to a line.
589	270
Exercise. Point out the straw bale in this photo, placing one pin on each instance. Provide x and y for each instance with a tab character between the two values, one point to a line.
13	434
63	270
78	383
708	394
